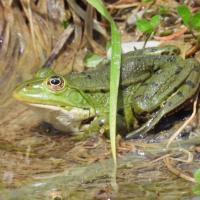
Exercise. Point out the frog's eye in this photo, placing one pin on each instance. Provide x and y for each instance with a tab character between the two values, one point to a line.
55	83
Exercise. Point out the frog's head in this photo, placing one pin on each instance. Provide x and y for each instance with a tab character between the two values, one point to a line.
49	89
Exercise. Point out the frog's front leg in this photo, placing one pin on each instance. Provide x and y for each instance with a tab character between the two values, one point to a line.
186	91
101	125
129	116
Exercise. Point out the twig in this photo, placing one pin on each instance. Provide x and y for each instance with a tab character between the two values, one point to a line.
172	36
176	171
185	123
192	50
28	12
58	46
122	6
188	160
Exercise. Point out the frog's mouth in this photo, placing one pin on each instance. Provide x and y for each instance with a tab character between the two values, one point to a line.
49	107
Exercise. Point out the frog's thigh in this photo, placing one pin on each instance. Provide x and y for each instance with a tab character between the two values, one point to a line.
161	85
185	92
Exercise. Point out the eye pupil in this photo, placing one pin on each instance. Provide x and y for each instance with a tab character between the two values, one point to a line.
55	81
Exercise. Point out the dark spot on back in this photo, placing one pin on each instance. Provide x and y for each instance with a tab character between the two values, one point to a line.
138	97
154	84
169	103
146	97
180	94
196	68
178	69
89	76
171	59
190	83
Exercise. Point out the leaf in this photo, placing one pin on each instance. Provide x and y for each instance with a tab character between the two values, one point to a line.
92	60
185	14
144	26
155	20
197	175
195	21
99	5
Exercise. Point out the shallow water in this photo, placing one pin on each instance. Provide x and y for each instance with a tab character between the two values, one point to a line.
37	164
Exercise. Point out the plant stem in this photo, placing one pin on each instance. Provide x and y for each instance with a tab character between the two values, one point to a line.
147	38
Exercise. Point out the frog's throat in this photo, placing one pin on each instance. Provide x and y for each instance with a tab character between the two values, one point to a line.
67	110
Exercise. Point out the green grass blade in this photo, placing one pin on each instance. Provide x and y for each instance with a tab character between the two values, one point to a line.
100	7
114	85
115	72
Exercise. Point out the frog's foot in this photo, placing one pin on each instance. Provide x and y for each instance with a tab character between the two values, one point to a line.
98	125
86	133
83	135
142	131
184	93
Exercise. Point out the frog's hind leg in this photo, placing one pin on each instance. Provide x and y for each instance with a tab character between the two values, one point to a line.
183	93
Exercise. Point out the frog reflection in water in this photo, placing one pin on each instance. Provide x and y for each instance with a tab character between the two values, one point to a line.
154	82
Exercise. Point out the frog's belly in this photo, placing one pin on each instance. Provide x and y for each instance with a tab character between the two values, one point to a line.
65	120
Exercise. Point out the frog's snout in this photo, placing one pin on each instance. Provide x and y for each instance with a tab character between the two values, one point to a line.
18	92
27	91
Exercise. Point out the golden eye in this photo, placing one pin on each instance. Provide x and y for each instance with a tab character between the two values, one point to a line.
55	83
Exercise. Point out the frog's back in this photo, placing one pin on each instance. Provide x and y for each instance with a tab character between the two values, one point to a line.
91	80
136	66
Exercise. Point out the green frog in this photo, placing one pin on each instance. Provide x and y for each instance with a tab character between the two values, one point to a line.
154	82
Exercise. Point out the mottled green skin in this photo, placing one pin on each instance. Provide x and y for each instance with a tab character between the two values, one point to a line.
150	84
135	70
